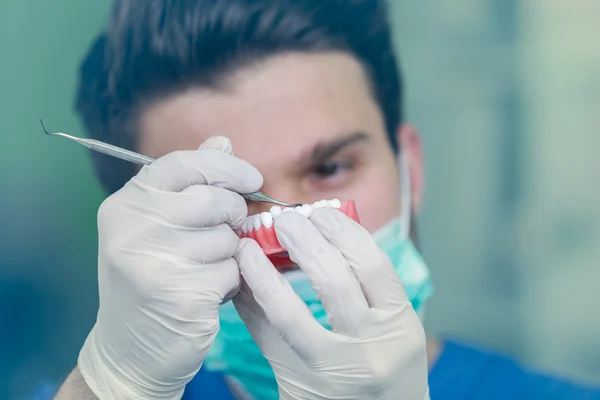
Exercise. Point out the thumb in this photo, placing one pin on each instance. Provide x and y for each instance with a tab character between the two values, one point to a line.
220	143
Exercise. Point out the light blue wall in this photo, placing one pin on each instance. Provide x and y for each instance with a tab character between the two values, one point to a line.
507	95
48	195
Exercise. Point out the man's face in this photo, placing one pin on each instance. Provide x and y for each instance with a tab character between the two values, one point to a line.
307	122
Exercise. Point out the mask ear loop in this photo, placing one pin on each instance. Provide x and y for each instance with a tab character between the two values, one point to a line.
406	212
405	196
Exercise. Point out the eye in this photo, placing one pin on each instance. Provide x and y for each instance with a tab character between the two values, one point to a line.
326	177
330	169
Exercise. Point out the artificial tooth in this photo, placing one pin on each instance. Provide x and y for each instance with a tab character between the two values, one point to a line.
306	210
266	219
335	203
246	225
256	224
275	211
320	204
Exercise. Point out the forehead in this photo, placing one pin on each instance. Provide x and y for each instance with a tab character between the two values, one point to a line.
274	112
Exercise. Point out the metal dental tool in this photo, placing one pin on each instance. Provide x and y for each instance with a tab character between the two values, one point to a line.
136	158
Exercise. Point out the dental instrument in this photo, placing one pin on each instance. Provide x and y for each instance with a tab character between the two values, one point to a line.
137	158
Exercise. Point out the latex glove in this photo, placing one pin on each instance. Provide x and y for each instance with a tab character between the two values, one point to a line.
377	347
165	264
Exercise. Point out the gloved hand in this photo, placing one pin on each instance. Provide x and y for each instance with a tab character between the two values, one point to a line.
377	347
165	264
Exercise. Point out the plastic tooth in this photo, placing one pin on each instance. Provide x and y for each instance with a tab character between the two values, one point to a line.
266	219
275	211
335	203
256	224
305	210
321	204
309	209
301	210
283	211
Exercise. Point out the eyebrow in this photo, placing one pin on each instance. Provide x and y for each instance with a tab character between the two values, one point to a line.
325	150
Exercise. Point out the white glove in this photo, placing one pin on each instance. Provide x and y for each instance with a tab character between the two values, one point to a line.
377	348
165	264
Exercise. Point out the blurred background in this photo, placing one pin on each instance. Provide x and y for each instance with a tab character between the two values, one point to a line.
507	95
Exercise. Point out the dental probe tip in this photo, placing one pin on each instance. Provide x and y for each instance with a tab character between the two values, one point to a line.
44	128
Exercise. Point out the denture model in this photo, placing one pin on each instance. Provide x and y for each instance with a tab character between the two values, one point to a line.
260	227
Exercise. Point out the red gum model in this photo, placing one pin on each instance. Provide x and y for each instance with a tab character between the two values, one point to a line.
267	240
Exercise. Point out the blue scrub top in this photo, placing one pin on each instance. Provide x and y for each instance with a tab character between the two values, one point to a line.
461	373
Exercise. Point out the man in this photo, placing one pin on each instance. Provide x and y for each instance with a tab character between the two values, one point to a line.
308	93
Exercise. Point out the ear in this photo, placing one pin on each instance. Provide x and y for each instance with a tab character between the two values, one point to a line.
412	151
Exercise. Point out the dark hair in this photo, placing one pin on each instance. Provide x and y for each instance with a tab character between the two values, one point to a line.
154	48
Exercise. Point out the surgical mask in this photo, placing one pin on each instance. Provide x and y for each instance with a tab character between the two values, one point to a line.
236	354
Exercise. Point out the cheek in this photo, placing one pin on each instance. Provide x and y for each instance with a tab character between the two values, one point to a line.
377	202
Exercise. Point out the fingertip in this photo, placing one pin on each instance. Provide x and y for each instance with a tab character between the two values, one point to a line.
254	181
296	234
288	221
325	216
220	143
331	220
142	174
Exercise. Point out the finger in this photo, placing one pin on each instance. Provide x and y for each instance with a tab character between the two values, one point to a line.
202	287
271	342
226	278
220	143
325	267
205	166
379	280
195	207
202	246
272	294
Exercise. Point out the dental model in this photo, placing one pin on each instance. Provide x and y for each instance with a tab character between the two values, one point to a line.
260	226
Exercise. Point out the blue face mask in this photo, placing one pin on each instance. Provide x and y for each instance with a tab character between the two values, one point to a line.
235	353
